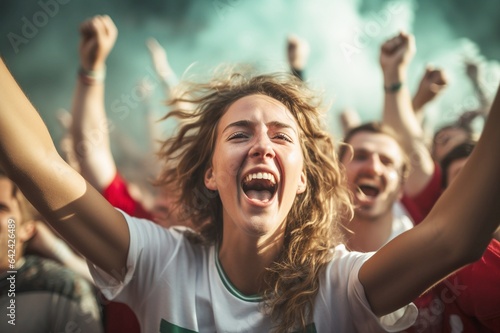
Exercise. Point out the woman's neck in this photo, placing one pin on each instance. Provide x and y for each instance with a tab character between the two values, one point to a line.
245	261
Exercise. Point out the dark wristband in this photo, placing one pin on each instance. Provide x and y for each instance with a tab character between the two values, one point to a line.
394	87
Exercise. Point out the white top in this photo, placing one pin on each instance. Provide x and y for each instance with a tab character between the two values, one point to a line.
174	285
401	220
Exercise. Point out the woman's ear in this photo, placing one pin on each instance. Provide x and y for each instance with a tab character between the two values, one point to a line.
210	182
302	183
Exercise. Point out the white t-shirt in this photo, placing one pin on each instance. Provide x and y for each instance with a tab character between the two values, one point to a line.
175	286
401	220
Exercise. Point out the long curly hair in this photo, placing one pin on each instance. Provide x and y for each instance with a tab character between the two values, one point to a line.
314	221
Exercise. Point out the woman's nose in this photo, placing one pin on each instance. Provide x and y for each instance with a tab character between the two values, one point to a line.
262	147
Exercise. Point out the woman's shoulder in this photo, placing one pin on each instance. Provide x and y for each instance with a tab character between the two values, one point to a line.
343	260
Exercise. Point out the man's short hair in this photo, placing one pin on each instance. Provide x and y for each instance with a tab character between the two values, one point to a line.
376	127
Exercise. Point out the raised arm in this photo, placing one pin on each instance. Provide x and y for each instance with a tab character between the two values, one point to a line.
455	233
90	127
161	65
75	209
473	73
349	118
431	85
298	53
66	146
395	56
466	118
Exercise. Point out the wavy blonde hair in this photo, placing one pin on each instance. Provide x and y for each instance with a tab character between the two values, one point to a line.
314	221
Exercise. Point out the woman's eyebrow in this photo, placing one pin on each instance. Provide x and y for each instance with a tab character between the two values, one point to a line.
240	123
249	124
279	124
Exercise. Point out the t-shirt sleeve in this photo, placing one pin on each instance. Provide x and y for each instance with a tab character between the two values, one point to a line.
365	319
150	252
347	289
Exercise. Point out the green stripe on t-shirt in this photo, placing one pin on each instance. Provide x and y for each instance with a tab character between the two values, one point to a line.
229	286
166	327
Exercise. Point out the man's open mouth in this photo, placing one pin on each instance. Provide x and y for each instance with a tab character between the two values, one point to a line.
369	190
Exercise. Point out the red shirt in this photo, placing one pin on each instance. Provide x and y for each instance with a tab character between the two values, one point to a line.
473	295
420	205
467	301
118	195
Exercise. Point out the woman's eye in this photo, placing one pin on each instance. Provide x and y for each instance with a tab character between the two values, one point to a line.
283	136
237	135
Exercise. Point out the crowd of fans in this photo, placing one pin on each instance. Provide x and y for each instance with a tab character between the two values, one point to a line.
390	177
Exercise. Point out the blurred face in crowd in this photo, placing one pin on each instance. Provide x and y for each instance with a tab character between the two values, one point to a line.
373	170
454	168
447	139
13	230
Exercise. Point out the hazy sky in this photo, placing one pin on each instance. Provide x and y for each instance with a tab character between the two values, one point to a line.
39	41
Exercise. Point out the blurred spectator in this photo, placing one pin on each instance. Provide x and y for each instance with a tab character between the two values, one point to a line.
39	295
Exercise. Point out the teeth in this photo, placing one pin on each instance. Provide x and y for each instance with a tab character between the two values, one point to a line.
261	175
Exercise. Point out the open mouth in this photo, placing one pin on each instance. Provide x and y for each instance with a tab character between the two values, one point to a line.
368	189
259	186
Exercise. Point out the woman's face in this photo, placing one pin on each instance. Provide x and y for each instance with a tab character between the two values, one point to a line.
446	140
256	166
